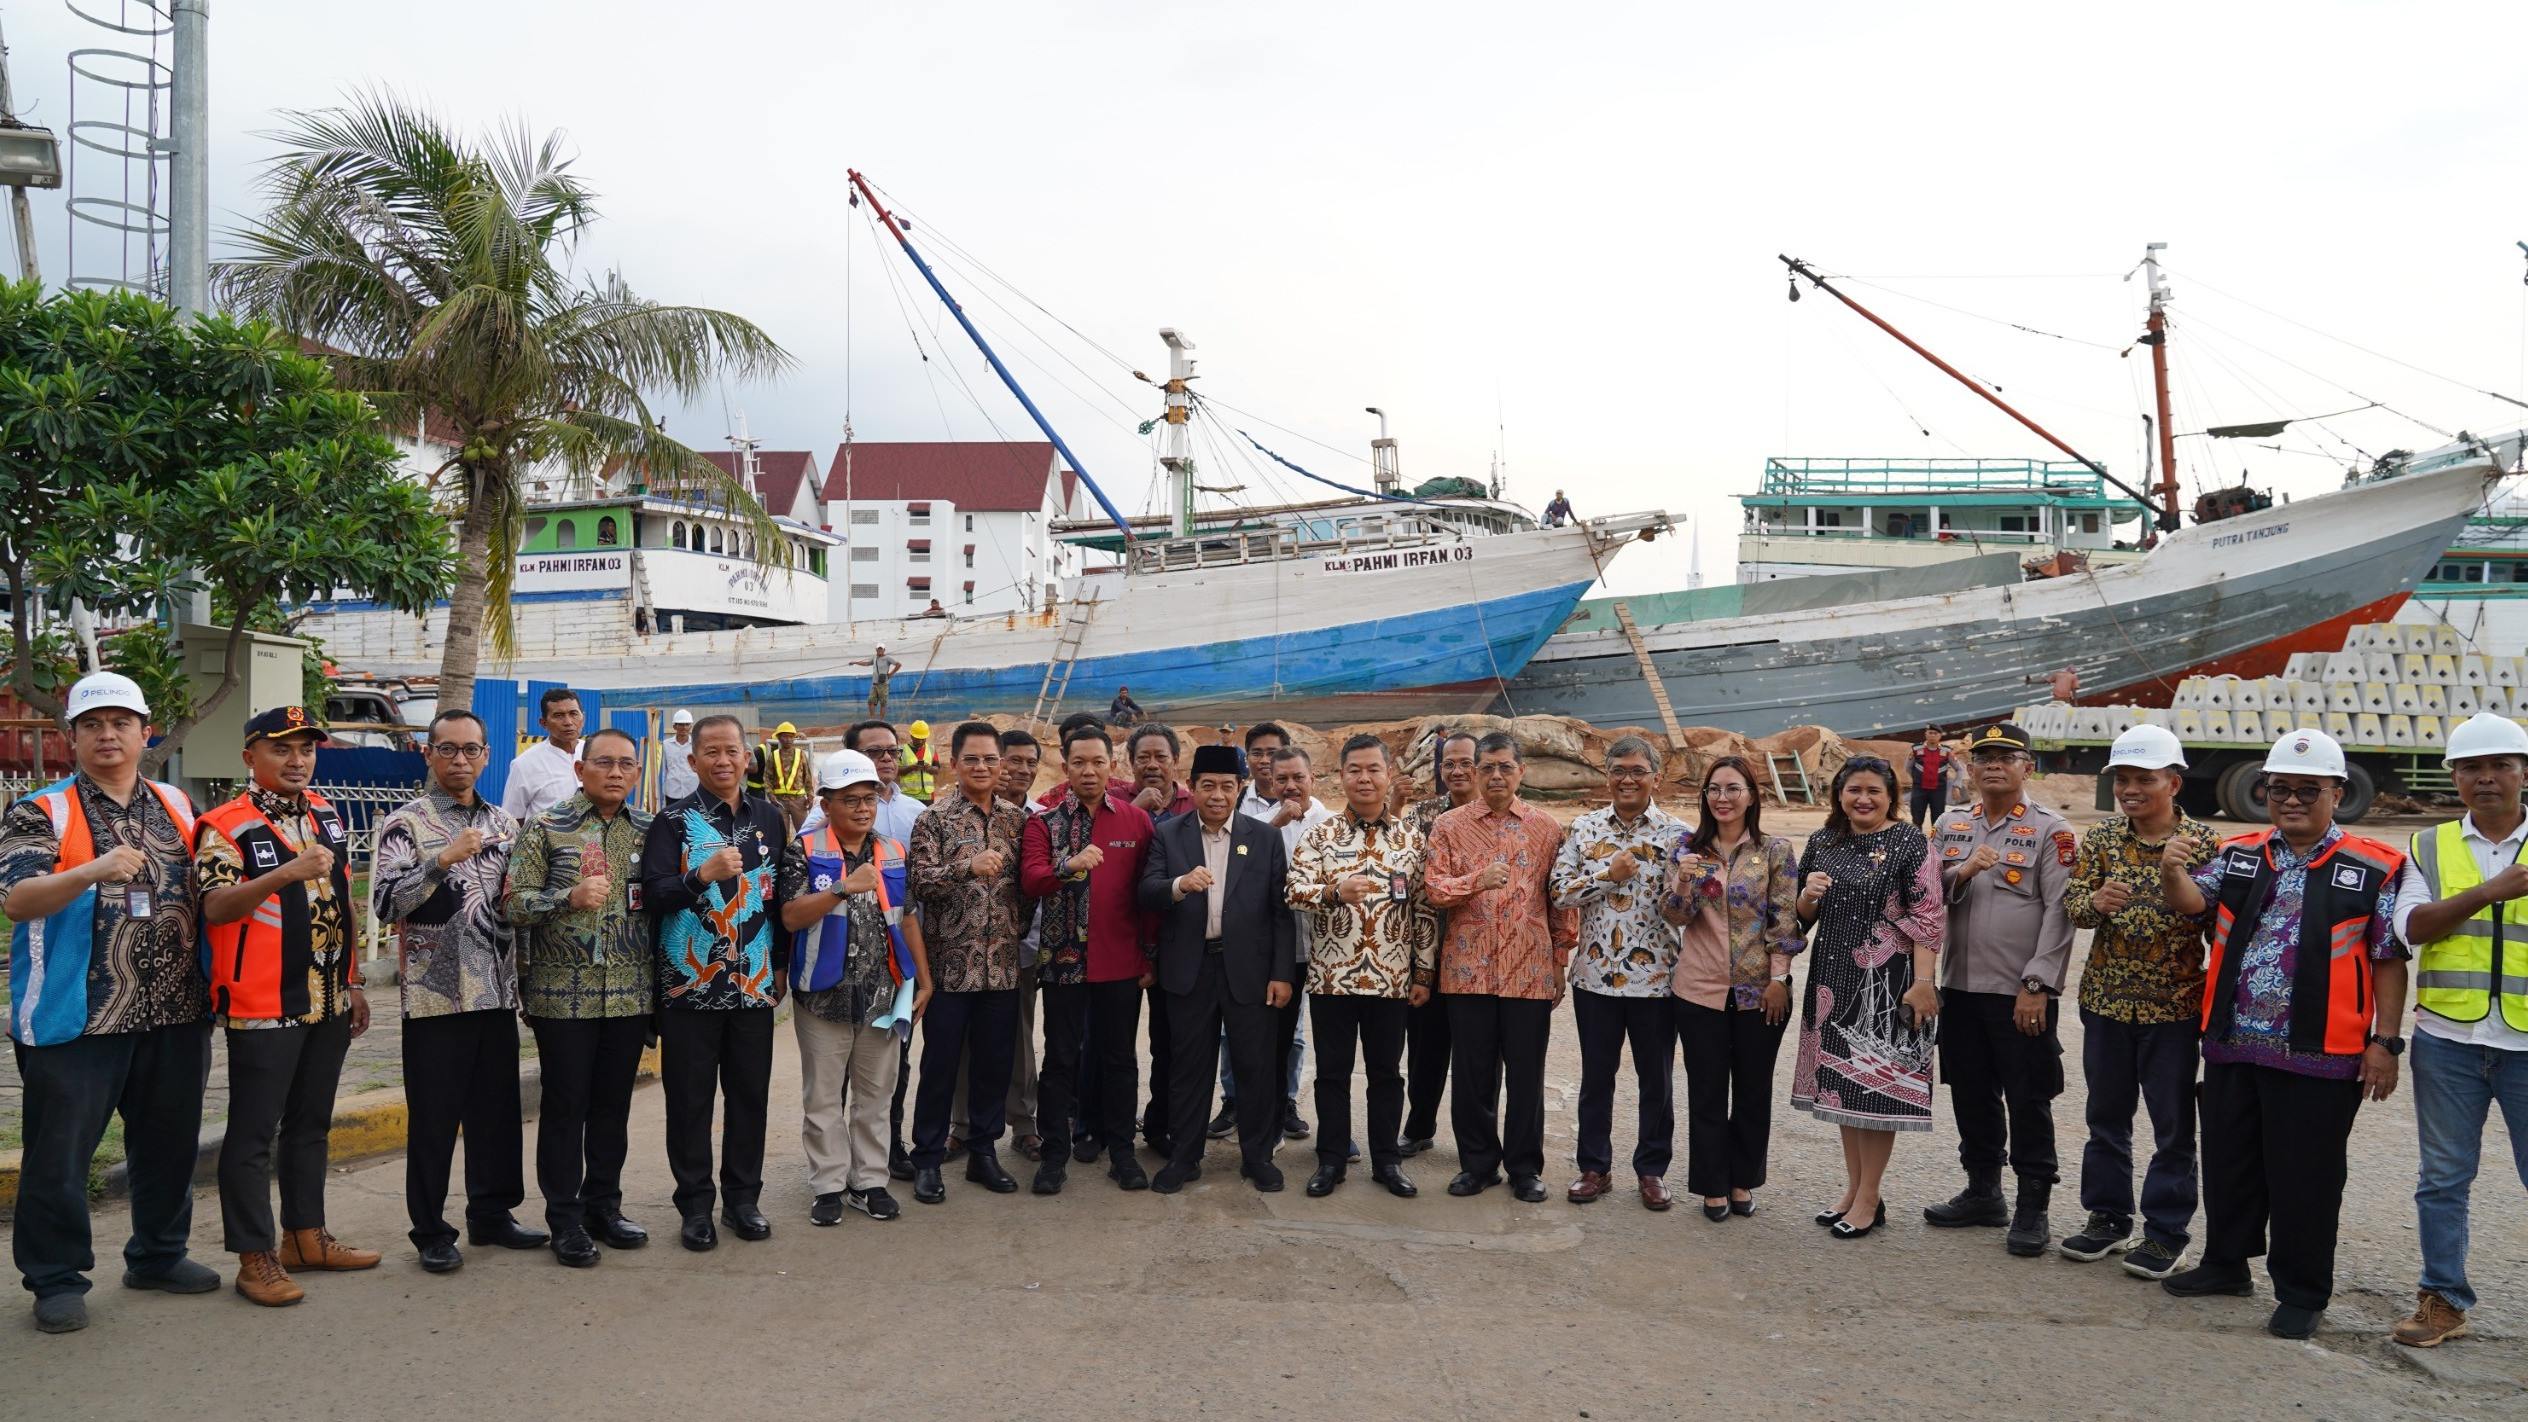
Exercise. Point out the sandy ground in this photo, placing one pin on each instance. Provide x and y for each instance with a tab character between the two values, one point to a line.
1221	1301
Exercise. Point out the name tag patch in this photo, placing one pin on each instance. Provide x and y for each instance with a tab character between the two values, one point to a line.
2239	866
267	855
2347	876
2015	857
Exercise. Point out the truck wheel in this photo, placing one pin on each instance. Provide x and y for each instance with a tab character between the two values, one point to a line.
2359	791
2242	792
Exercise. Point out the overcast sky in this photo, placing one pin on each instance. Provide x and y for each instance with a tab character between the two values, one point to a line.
1543	232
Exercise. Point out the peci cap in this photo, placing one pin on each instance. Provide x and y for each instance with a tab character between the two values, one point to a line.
1217	760
100	691
282	722
844	769
2001	735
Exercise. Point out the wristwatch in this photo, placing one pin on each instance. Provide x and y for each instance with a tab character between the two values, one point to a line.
2035	985
2395	1045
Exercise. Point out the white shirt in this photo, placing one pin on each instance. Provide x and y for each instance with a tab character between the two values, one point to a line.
1255	806
676	779
543	775
1292	833
2412	892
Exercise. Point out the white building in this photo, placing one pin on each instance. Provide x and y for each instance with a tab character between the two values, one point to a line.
967	523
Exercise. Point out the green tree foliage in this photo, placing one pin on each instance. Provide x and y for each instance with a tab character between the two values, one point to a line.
441	267
134	448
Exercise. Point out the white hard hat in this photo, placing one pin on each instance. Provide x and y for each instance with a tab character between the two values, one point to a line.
681	718
99	690
2306	753
844	769
2147	748
2485	733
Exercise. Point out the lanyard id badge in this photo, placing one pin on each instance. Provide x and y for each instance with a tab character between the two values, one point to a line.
138	901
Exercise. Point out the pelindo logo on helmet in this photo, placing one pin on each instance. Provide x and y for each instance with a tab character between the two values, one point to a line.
2300	746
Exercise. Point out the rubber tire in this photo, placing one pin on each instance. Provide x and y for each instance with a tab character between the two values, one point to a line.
2238	792
2360	790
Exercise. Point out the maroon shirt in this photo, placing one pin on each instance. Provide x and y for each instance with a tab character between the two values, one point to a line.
1115	929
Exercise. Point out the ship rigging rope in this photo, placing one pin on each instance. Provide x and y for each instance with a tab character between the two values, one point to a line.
2365	350
1346	488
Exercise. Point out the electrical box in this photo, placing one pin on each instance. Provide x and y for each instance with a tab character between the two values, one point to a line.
271	677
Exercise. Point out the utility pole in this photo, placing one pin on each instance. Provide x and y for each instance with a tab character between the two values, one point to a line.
189	165
1179	458
20	216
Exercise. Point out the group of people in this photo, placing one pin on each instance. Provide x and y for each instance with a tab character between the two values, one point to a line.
1212	906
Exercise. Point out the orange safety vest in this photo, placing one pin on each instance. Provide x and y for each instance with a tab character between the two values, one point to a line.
48	958
2331	1002
259	965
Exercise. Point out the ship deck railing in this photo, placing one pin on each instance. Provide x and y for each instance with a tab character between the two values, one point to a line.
1269	545
1788	476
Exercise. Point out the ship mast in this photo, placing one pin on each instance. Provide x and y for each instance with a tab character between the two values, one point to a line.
2167	512
896	231
2156	337
1178	461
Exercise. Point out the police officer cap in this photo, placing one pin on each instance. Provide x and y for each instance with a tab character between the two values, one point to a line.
281	722
2001	735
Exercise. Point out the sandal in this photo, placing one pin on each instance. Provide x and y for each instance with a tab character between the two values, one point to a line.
1032	1147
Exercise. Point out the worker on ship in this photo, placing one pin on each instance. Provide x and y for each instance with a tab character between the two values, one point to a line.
780	771
919	764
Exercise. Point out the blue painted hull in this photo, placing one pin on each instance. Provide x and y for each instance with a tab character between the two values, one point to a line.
1414	663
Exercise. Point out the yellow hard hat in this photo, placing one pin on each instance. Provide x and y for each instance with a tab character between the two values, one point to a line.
920	730
785	729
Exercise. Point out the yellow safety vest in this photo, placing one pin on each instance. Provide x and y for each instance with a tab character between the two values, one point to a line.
2455	976
914	774
791	779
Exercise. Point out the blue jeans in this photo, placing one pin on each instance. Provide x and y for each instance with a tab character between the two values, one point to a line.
2455	1085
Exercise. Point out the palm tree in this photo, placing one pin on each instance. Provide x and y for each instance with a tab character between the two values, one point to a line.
440	268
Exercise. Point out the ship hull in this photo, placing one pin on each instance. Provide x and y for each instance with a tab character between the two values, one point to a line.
2208	593
1358	634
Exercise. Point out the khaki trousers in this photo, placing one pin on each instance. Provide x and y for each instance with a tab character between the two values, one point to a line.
847	1086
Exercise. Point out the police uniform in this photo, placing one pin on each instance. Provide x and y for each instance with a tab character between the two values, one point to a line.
2009	930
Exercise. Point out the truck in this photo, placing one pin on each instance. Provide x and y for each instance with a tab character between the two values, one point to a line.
2227	779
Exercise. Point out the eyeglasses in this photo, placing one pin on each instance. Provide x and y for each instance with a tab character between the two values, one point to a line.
611	763
1733	792
978	760
2296	794
449	750
1630	773
1496	772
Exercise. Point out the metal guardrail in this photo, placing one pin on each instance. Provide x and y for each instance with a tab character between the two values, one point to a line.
1784	475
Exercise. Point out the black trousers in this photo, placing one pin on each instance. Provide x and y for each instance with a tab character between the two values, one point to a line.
1085	1023
2002	1084
154	1081
727	1054
1729	1053
2151	1065
1199	1018
2274	1162
984	1027
1926	804
1606	1022
461	1070
1154	1118
281	1084
1499	1050
1378	1025
903	1083
1426	1067
583	1129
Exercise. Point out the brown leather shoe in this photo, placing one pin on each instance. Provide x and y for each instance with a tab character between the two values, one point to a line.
262	1280
318	1249
1590	1185
2434	1322
1654	1193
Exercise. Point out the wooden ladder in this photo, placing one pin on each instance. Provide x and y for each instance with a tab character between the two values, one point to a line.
1650	673
1797	780
1066	656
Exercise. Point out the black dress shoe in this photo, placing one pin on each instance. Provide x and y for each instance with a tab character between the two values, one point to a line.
441	1257
1529	1188
827	1210
1411	1146
573	1249
983	1167
899	1164
1469	1183
698	1235
615	1232
926	1186
1048	1181
1323	1182
505	1232
747	1221
1267	1178
1394	1178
